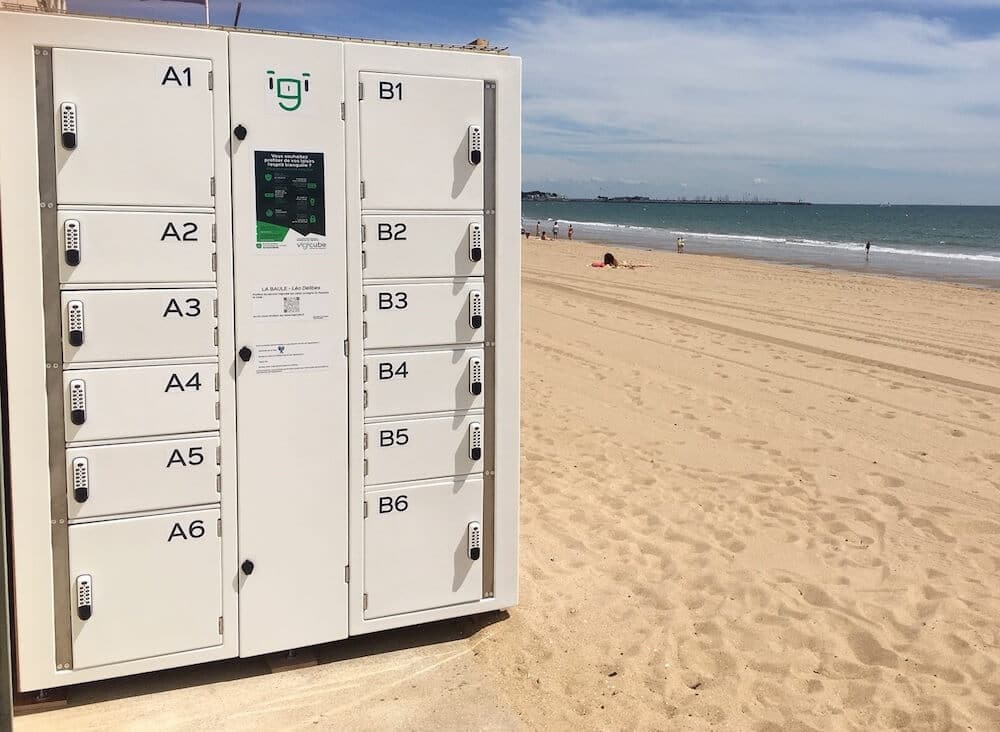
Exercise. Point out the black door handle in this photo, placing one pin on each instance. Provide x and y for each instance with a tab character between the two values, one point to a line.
240	132
247	567
245	354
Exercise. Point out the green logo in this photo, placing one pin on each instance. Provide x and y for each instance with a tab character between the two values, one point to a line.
289	90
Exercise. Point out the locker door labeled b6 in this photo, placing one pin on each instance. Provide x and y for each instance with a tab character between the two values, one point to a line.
127	325
424	314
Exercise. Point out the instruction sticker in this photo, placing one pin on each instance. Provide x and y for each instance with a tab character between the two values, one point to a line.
291	302
291	204
285	357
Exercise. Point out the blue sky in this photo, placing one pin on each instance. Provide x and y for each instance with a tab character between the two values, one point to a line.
824	100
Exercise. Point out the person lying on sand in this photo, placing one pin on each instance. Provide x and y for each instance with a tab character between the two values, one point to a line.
611	261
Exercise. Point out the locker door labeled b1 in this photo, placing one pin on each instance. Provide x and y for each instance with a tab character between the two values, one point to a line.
132	129
422	145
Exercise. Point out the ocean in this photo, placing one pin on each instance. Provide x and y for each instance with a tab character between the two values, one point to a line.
955	243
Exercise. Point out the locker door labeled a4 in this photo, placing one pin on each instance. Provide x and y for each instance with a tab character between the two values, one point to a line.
423	546
421	142
132	129
143	587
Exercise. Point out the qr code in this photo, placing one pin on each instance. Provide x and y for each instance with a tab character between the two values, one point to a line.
292	305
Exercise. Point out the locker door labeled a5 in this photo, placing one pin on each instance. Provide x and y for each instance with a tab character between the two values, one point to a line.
143	401
424	314
423	246
114	325
415	449
132	129
421	142
426	381
143	587
423	546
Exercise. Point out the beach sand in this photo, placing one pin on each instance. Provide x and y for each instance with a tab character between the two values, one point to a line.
754	496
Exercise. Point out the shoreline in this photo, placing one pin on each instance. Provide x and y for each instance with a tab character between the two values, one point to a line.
876	269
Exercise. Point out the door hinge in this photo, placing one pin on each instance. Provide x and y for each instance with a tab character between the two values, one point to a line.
364	371
366	440
215	338
213	232
211	86
218	411
215	262
343	111
347	348
218	455
216	373
366	399
218	526
218	482
364	234
347	573
364	259
220	625
365	601
366	466
215	308
364	329
362	189
211	184
366	509
364	303
361	90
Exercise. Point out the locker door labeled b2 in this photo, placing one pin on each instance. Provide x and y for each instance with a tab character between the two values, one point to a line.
422	144
132	129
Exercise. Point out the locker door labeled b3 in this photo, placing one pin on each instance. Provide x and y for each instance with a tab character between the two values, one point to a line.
132	129
422	144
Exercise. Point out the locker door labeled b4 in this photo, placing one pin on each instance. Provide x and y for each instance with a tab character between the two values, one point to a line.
422	144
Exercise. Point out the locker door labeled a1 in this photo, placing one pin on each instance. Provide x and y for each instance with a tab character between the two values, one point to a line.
421	142
143	587
132	129
423	546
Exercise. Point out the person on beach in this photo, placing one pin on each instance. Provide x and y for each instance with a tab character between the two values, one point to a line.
611	261
868	250
569	232
538	228
543	236
555	229
680	245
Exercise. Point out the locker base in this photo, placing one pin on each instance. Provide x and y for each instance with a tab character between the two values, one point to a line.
43	700
291	660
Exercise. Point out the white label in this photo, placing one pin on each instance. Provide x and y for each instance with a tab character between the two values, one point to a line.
291	302
277	358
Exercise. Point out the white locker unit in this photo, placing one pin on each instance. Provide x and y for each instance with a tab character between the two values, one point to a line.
326	229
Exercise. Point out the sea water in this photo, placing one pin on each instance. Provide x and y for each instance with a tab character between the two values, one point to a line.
957	243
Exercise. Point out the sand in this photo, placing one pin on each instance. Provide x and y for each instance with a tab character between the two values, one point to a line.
754	496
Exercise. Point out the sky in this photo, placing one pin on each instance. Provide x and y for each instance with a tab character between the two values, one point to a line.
839	101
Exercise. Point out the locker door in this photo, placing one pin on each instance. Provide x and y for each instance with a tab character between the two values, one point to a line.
420	544
424	314
110	325
144	587
419	143
423	246
414	449
144	476
122	246
427	381
145	401
132	129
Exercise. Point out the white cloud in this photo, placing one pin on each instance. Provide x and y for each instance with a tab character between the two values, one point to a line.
833	106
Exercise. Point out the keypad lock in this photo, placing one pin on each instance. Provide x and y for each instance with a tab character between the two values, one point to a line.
81	479
77	402
68	121
475	541
475	144
475	242
476	309
74	314
84	596
475	376
475	441
72	245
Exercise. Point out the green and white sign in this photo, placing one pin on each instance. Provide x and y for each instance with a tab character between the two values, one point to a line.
291	209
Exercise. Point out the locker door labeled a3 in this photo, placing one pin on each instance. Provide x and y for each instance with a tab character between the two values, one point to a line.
143	587
421	143
132	129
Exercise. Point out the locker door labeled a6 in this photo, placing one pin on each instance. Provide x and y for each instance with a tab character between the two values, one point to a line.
423	246
142	476
135	246
421	143
424	314
142	401
118	325
427	381
423	546
132	129
414	449
144	587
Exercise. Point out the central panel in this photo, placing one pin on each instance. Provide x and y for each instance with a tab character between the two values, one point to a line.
291	324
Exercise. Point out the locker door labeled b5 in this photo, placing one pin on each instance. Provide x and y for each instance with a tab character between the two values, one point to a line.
415	449
128	325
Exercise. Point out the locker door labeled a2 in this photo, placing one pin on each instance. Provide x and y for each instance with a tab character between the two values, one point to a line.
132	129
143	587
421	142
